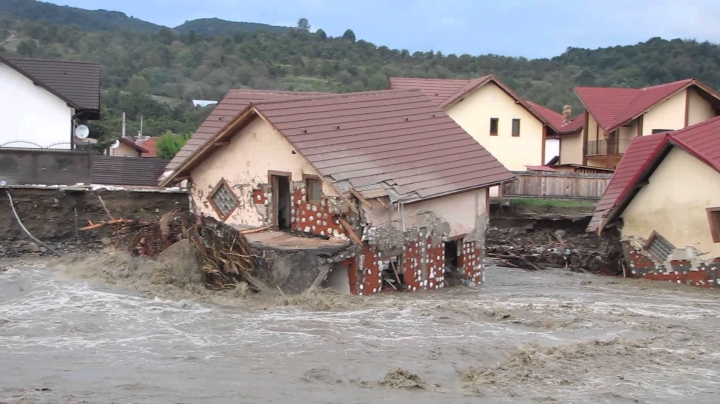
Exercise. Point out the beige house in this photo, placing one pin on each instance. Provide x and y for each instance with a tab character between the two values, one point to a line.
405	185
512	129
665	199
126	148
614	116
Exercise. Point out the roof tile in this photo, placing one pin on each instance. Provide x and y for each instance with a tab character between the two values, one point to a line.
423	153
77	81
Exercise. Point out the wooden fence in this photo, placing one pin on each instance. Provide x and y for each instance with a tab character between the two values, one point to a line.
557	185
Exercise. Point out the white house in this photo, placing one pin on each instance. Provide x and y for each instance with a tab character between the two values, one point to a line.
42	100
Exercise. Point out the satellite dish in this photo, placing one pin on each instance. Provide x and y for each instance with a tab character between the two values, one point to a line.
82	132
115	144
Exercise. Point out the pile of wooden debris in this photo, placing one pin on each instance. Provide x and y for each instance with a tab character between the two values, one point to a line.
537	247
224	254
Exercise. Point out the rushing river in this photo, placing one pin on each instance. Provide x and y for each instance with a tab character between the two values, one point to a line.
522	337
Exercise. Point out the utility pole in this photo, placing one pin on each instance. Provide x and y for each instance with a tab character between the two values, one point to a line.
123	125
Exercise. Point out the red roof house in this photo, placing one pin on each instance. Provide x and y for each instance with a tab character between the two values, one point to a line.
665	199
389	171
511	128
617	115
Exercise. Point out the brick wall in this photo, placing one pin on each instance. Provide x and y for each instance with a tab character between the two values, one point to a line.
703	273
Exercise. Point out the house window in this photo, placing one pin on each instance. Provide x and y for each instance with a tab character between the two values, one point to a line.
654	131
223	199
658	247
714	219
314	189
493	126
516	127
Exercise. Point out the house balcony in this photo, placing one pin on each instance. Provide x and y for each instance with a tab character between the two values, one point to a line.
605	147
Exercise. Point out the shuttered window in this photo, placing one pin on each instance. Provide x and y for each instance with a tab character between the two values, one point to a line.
659	247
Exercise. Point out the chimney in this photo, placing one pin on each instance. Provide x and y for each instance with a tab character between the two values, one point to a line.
567	113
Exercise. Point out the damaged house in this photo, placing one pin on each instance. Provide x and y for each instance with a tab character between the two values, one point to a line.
387	175
665	199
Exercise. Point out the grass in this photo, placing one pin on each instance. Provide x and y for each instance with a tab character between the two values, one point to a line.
559	203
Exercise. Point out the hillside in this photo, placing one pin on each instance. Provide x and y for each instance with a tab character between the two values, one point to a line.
87	20
216	26
187	65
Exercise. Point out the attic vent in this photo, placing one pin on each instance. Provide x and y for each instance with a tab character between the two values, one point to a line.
659	247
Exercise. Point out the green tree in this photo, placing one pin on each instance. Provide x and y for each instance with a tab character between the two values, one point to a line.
168	145
27	48
378	81
349	35
321	34
138	85
303	25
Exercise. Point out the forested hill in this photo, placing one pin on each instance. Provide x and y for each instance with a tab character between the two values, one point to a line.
154	74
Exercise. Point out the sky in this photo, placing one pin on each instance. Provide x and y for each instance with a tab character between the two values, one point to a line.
527	28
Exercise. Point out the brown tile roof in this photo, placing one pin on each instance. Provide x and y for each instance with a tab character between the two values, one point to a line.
130	171
230	107
447	92
391	141
133	145
614	107
77	83
438	90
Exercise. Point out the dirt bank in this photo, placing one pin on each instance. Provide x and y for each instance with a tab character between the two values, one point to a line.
53	216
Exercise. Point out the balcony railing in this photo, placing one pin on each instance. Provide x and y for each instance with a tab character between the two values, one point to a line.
605	147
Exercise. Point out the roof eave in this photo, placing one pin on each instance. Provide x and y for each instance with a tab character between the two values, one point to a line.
39	83
249	110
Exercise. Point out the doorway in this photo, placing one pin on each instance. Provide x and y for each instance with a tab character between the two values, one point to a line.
281	201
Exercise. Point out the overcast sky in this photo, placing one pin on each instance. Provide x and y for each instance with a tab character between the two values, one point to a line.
529	28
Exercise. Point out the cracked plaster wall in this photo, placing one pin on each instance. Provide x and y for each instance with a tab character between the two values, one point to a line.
428	226
673	204
245	163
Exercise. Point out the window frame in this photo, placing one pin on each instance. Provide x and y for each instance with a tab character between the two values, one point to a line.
307	178
656	131
216	208
650	241
713	215
497	126
512	128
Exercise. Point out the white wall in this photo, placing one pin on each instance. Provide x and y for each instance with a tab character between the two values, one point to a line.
490	101
31	113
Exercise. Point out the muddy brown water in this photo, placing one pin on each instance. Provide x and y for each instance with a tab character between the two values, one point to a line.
523	337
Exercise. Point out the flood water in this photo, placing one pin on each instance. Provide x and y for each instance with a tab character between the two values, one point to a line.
527	336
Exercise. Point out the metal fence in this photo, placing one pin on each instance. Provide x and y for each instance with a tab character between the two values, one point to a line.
557	185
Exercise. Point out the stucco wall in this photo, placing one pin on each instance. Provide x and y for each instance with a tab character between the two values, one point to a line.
674	202
669	114
571	148
244	164
451	215
594	131
123	150
490	101
699	109
31	113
